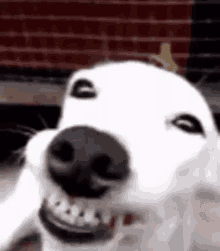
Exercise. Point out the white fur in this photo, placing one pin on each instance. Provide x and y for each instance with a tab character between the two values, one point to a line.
136	103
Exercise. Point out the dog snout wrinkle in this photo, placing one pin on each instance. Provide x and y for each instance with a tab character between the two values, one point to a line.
81	156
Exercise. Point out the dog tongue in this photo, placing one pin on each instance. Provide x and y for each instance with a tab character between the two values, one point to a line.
128	220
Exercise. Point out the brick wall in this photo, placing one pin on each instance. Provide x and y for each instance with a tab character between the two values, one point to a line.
74	34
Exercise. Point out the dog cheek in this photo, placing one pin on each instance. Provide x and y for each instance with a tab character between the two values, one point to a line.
154	175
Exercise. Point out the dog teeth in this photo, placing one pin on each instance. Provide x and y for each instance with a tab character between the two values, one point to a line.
77	208
89	213
66	218
63	206
53	199
80	222
72	219
80	214
95	222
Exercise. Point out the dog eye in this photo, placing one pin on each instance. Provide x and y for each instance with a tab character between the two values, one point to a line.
83	88
188	123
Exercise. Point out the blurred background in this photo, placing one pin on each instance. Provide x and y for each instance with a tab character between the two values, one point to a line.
43	42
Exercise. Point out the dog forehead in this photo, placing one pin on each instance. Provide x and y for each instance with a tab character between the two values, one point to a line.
132	91
132	75
110	76
142	81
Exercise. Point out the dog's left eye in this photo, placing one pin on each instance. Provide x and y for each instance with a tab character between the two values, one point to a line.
188	123
83	88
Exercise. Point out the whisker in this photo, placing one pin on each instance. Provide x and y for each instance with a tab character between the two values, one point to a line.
43	121
20	158
28	128
202	80
30	135
19	150
19	154
206	75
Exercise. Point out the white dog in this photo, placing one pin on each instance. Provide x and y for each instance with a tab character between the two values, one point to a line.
132	139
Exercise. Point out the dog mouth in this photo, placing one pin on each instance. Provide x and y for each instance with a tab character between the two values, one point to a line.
68	220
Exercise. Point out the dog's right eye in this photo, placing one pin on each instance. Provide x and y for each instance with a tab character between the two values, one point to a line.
188	123
83	89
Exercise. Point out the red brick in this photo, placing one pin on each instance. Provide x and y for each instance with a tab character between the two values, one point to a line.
12	41
28	57
79	43
24	56
37	25
95	9
180	47
39	42
70	9
126	57
53	58
57	26
149	47
181	62
8	9
10	25
180	11
156	12
147	1
99	10
89	27
146	30
161	30
81	59
178	30
120	45
122	29
7	55
111	28
39	57
92	27
129	46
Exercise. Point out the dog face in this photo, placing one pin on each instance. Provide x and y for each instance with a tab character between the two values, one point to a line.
131	137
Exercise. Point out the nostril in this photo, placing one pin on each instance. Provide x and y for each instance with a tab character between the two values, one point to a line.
104	166
63	151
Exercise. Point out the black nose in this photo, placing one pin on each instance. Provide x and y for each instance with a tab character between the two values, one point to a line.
85	162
